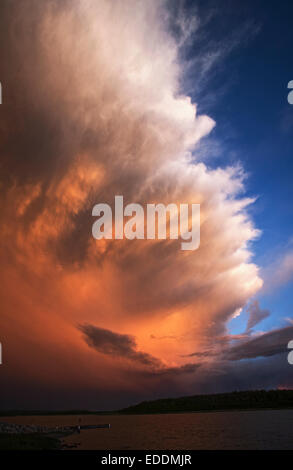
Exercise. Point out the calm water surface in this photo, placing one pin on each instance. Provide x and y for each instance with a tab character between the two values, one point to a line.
269	429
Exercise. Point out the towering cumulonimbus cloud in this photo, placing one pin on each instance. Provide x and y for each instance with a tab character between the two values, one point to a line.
92	108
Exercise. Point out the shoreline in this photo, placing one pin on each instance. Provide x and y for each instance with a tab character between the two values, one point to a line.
119	413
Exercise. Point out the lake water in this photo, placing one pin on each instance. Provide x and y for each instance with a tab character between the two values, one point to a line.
268	429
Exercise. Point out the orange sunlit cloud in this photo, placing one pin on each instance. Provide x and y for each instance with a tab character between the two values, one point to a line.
101	116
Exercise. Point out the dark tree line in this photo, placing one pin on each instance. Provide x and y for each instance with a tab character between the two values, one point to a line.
256	399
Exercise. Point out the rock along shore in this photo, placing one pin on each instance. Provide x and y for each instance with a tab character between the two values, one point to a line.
11	428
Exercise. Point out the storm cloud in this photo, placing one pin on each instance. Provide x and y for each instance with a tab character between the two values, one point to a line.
93	107
124	346
256	315
264	345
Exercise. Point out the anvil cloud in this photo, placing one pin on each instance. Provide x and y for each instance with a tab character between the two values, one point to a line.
93	108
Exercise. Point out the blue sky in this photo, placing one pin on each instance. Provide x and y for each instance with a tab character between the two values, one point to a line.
246	93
